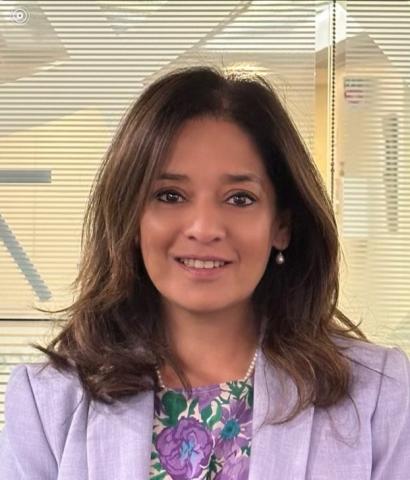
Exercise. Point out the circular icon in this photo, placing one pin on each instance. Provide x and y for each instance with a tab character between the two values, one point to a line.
20	15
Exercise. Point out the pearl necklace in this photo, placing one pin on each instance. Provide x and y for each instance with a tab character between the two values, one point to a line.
247	375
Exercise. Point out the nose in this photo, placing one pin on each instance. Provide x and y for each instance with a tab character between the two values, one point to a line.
205	222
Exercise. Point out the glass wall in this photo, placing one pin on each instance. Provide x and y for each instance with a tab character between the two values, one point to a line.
373	165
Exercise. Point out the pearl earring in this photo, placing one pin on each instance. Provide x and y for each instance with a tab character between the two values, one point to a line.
280	259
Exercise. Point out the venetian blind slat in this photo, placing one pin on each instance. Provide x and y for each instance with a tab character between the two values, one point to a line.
375	168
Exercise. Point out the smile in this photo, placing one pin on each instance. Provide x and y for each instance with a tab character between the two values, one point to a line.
203	271
208	264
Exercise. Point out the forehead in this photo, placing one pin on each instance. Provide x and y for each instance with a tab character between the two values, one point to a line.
213	146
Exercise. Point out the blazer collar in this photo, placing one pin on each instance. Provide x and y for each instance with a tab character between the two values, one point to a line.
119	435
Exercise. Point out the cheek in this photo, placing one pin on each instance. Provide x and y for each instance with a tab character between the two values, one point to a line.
152	229
156	240
256	249
150	234
257	238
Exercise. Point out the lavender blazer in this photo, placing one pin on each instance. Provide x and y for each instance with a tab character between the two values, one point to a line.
52	433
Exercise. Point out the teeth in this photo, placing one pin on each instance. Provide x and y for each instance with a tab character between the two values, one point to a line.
189	262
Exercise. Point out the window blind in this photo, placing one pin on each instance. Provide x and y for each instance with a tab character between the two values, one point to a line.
69	71
374	167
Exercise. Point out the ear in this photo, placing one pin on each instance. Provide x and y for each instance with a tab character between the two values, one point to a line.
281	230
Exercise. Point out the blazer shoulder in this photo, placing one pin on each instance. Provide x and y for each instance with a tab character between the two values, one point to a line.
376	366
43	406
369	355
382	375
47	384
55	397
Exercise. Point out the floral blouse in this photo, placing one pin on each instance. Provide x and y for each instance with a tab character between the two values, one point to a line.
206	436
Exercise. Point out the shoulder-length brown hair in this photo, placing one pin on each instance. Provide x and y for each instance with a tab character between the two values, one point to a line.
112	333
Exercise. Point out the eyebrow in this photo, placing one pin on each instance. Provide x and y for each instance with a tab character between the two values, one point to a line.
226	177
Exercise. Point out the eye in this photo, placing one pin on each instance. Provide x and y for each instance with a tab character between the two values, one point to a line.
168	194
160	194
243	195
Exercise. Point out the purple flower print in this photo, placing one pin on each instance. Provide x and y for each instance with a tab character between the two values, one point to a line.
235	468
185	449
206	397
236	429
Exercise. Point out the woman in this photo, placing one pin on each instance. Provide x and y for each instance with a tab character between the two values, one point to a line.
205	341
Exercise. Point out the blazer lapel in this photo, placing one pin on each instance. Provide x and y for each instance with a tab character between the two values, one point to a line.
277	451
119	438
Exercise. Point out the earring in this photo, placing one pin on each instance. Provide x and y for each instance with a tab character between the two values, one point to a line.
280	259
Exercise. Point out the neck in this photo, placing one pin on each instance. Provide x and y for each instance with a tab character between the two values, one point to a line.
212	349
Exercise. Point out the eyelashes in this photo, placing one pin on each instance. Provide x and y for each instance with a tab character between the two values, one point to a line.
240	194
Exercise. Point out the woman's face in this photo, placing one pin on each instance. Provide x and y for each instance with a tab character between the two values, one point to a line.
206	214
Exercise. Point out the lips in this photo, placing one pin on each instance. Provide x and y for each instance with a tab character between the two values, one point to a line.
202	259
180	260
203	273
